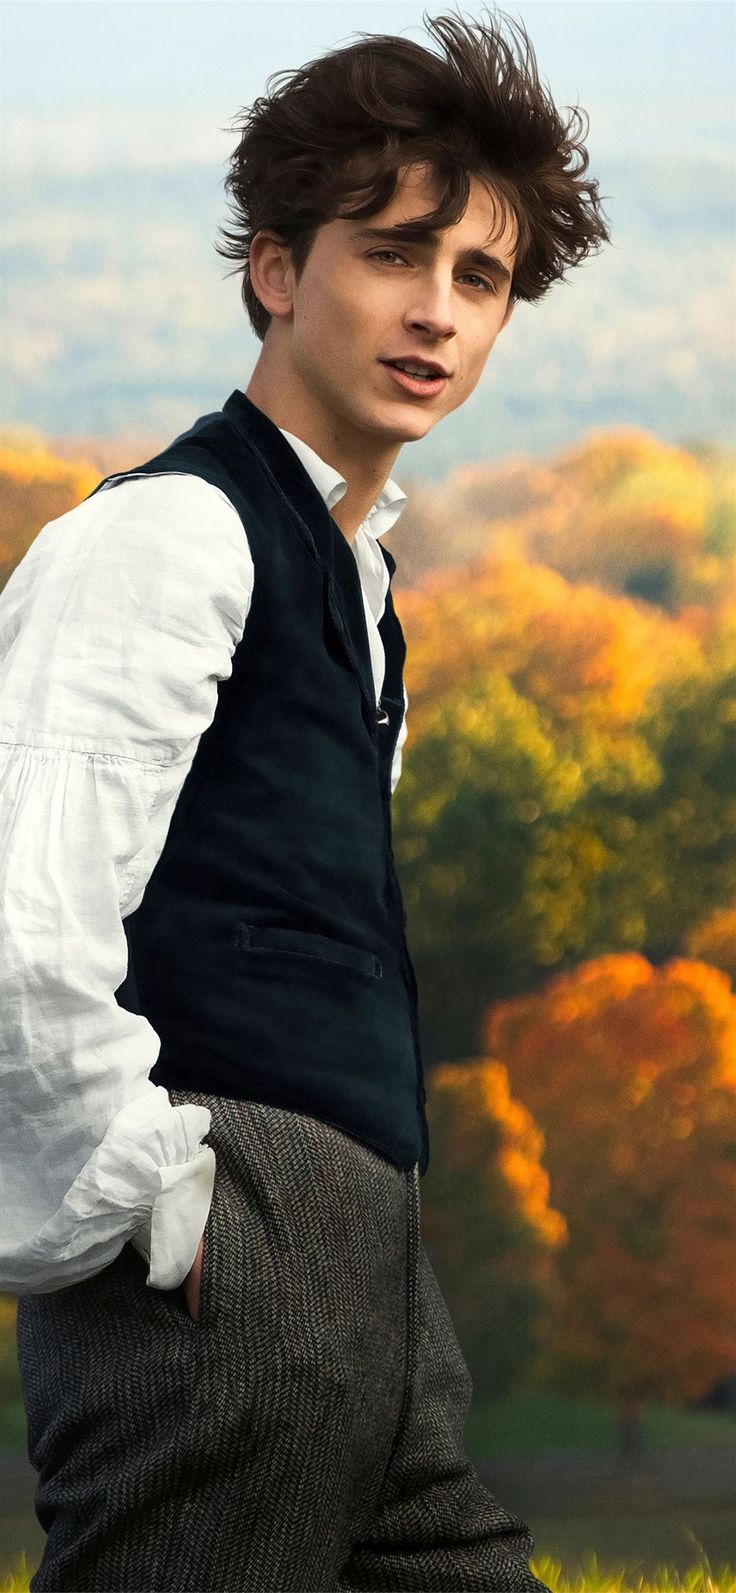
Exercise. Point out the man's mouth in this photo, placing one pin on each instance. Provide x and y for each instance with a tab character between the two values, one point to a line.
413	380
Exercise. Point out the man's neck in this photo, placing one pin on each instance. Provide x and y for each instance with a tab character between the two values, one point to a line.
365	475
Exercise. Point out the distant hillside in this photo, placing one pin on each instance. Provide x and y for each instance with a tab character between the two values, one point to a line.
619	509
121	323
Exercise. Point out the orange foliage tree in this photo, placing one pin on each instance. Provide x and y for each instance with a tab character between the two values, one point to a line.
620	508
583	655
35	486
487	1222
630	1072
630	513
526	696
569	787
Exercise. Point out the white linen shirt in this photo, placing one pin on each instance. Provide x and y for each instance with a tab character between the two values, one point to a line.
115	628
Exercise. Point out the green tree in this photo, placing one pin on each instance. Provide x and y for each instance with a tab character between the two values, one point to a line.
486	1221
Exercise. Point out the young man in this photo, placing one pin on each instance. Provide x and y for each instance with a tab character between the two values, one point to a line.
204	935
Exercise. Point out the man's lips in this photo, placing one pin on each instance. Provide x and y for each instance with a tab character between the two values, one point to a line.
425	364
422	387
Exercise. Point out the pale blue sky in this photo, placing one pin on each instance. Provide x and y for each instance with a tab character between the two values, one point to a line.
653	74
115	136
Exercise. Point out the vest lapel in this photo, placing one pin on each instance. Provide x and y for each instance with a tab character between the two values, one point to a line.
346	606
317	528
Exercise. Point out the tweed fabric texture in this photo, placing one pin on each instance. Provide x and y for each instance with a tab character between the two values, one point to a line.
305	1433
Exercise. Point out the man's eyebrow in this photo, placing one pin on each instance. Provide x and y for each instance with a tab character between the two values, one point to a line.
408	232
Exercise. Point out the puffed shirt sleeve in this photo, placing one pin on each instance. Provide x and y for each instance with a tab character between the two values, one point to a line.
115	628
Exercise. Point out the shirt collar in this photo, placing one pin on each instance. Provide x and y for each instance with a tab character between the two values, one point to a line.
332	486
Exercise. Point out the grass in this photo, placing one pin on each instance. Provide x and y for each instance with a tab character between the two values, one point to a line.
592	1579
636	1545
675	1550
13	1429
535	1424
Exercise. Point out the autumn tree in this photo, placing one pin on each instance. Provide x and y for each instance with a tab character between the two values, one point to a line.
619	508
569	787
486	1220
632	515
630	1073
35	486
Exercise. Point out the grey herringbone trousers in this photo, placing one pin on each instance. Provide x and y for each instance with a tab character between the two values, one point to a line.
305	1433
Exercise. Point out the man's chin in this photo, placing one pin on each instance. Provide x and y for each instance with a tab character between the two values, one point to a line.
399	427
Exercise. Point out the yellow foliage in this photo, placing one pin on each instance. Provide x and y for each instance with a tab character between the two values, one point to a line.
36	486
581	654
476	1097
620	508
36	464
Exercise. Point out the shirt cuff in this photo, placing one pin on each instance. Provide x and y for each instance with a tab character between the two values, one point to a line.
169	1238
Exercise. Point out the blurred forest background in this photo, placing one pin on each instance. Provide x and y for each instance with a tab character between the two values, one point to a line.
565	822
565	832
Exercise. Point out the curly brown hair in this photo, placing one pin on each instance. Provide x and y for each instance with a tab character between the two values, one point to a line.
344	126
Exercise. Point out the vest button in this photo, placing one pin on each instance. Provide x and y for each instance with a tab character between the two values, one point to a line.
381	715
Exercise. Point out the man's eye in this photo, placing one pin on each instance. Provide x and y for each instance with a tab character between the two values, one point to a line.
490	287
377	252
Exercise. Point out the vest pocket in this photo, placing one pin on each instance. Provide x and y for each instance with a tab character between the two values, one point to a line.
306	943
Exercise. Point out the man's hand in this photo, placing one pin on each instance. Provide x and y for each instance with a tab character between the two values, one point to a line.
192	1281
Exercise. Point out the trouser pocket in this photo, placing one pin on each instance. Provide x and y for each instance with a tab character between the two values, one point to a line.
172	1304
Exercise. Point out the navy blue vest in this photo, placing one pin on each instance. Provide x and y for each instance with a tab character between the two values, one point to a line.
269	950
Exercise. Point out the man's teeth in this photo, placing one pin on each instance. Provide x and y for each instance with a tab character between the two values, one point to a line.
414	370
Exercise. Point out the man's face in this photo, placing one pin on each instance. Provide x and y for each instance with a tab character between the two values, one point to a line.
357	305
